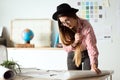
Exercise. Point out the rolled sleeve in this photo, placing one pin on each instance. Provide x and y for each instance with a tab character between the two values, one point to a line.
68	48
91	46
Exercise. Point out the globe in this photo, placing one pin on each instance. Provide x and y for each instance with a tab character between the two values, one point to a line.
27	35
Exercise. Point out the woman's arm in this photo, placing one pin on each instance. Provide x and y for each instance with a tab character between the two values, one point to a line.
92	49
72	46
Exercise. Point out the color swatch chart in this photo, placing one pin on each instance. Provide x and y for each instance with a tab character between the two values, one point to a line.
91	10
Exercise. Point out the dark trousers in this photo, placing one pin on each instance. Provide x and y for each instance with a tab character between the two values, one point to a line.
85	60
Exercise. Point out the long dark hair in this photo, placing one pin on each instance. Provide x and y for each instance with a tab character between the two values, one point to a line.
66	34
67	37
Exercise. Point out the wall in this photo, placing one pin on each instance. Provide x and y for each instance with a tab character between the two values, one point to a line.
109	52
43	58
26	9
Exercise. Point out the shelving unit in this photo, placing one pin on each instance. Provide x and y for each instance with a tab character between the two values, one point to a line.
42	58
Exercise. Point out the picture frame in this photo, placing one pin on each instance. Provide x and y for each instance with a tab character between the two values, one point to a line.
40	27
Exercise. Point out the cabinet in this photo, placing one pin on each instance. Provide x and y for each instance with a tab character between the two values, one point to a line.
42	58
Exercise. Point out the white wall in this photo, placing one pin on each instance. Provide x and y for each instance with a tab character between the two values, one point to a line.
42	58
27	9
109	52
24	9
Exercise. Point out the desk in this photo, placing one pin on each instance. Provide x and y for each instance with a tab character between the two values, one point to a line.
35	74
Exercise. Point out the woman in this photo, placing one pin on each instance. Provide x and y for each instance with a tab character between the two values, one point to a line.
78	39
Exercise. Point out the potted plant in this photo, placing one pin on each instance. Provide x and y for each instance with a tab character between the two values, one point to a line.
10	64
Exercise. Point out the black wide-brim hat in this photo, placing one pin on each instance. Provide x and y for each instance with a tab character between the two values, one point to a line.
63	8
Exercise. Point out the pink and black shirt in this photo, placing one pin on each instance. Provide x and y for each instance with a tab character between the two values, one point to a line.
88	41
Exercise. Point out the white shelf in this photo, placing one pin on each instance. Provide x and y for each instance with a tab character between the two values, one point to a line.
42	58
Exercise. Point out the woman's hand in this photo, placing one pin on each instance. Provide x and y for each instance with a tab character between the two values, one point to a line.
78	37
95	69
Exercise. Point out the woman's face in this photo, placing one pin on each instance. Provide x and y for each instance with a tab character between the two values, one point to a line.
68	21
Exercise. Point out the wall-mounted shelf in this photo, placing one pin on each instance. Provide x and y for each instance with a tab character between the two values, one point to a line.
42	58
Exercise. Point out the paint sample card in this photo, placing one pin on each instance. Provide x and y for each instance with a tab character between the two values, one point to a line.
92	10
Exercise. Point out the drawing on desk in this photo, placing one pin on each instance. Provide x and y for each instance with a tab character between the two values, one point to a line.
63	74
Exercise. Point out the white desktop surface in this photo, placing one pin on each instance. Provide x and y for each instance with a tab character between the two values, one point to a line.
36	74
57	65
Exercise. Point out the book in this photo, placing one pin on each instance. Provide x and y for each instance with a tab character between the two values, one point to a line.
56	40
1	30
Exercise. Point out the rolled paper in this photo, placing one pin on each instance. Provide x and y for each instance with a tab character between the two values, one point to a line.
6	74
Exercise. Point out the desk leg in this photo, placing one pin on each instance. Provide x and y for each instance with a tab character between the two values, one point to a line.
110	77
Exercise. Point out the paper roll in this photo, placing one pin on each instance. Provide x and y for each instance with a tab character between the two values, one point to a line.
6	73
